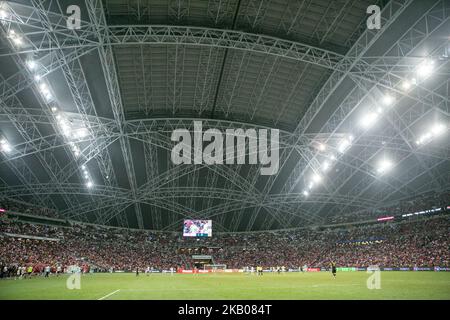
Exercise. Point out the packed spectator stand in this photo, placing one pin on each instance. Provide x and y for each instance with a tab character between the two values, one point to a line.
420	242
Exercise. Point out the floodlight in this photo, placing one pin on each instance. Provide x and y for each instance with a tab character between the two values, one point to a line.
5	146
81	133
384	166
387	100
48	96
316	178
31	64
18	41
322	147
406	85
15	38
305	193
425	68
44	88
344	145
326	166
3	14
89	184
438	129
369	120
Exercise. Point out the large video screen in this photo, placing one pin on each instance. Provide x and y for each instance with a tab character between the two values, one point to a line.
197	228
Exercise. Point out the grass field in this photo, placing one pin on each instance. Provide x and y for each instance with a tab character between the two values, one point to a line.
347	285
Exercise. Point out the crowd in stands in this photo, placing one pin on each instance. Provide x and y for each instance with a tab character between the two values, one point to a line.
418	203
419	242
19	207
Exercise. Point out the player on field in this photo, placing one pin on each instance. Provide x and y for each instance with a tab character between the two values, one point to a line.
30	271
47	271
333	269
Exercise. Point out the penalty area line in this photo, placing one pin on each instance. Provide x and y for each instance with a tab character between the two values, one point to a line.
109	294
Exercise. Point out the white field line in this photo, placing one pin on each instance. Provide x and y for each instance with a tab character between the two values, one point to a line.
248	289
109	294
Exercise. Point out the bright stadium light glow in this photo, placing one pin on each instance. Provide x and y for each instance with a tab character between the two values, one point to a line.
438	129
44	88
31	64
48	96
406	85
45	91
5	146
316	178
384	166
76	150
15	38
54	109
18	41
425	138
89	184
63	123
37	78
388	100
345	144
81	133
310	185
369	120
3	11
305	193
325	166
435	131
425	69
83	167
322	147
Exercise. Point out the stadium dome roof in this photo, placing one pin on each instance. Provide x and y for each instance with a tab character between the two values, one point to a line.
86	114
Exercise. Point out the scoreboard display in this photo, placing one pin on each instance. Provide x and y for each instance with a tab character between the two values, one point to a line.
197	228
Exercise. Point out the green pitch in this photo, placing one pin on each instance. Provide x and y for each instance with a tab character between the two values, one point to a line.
321	285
